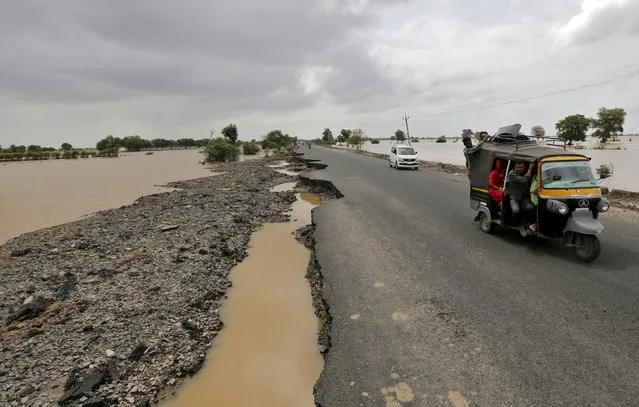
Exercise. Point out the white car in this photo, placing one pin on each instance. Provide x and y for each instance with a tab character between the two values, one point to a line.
403	156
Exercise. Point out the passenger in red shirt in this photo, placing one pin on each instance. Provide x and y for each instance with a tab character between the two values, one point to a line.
496	181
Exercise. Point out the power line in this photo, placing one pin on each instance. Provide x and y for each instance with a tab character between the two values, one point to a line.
528	90
591	85
591	76
17	99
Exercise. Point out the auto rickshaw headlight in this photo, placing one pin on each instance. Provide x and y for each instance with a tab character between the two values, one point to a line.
603	205
557	207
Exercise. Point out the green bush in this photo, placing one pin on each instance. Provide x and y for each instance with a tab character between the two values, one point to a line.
251	148
108	152
11	156
31	155
220	149
605	171
70	154
86	153
275	139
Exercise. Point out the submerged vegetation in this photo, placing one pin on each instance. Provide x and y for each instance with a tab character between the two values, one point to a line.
66	151
34	152
137	143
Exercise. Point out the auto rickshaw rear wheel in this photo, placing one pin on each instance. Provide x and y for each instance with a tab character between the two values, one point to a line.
587	248
485	224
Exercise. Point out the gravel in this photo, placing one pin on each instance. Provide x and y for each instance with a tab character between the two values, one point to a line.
120	307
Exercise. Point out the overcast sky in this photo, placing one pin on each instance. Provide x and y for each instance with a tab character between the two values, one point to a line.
77	70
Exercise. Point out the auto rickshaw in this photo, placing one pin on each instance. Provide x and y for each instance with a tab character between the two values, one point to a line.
570	198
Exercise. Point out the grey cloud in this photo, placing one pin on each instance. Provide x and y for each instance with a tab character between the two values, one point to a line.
458	89
357	79
598	21
282	32
233	55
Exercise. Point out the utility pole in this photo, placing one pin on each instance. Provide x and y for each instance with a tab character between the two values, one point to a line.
405	118
212	132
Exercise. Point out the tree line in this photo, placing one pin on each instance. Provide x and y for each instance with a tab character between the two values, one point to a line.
607	124
353	137
137	143
37	152
224	148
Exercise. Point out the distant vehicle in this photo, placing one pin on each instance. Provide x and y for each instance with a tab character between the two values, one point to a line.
374	141
414	140
403	156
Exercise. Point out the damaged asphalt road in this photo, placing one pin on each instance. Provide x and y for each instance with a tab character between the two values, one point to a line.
426	310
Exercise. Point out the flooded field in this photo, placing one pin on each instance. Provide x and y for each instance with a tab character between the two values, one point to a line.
267	354
38	194
624	160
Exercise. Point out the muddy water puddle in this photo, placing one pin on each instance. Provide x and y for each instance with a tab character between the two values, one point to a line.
279	164
267	353
283	187
313	199
289	172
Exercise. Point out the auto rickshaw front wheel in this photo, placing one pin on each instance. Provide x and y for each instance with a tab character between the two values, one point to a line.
587	247
485	224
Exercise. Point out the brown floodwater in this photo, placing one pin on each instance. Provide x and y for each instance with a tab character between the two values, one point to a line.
267	353
39	194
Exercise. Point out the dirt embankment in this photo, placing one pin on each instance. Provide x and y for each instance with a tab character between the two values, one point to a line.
618	198
121	307
622	199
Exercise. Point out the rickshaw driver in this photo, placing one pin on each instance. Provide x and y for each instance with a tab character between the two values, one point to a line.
518	190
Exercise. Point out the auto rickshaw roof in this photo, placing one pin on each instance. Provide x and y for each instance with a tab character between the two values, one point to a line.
525	150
